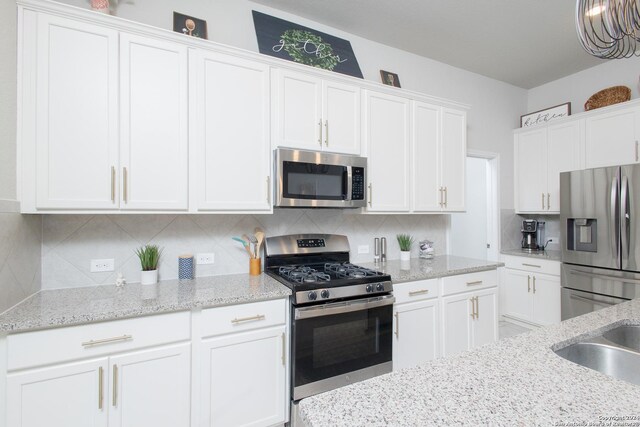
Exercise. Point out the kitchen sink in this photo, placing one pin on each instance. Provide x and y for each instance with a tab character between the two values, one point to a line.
626	336
615	353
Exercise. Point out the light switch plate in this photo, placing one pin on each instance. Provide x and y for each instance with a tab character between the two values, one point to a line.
207	258
102	265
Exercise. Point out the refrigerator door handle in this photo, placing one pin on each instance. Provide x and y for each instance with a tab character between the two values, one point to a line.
624	217
615	233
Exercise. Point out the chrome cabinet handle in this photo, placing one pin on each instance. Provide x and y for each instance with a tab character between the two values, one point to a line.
442	197
268	190
249	319
420	292
370	194
528	283
114	395
283	350
397	316
125	194
91	343
326	133
320	132
548	201
474	283
446	197
477	308
637	157
531	265
100	387
542	201
113	184
473	307
534	284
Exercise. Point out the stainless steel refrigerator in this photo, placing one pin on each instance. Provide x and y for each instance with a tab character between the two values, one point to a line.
600	226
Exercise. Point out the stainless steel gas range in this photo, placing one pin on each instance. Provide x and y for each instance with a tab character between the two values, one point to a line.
342	314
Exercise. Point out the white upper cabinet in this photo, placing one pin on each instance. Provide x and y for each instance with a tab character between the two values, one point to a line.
315	114
612	138
563	155
439	158
387	138
76	114
154	128
230	131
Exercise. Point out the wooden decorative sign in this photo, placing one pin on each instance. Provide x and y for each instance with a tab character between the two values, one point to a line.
546	115
293	42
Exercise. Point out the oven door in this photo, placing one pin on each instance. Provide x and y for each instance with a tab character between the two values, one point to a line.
339	343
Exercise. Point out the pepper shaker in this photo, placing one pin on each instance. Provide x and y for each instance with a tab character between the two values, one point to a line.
383	250
376	250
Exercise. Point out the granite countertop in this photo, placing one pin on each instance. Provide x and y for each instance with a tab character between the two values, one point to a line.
439	266
515	381
66	307
551	255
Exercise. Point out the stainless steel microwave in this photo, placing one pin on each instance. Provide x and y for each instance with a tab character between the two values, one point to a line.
319	179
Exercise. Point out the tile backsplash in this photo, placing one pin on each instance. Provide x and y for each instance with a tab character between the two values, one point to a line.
20	260
70	242
511	224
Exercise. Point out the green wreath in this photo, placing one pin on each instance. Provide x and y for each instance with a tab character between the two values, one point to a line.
294	45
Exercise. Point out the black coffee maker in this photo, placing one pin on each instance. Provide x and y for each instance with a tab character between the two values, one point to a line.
532	234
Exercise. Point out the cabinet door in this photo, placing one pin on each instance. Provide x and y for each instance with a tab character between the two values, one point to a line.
416	332
485	326
530	170
341	113
453	159
563	154
71	395
611	139
387	139
546	299
298	111
231	132
76	115
151	388
456	324
427	196
243	379
154	129
518	296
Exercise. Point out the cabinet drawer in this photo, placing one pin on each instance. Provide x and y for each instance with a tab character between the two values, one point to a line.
50	346
534	265
415	291
243	317
469	282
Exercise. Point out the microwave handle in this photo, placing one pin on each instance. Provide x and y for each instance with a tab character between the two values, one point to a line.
349	194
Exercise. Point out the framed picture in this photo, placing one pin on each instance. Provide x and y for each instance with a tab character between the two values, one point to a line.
189	25
390	79
546	115
293	42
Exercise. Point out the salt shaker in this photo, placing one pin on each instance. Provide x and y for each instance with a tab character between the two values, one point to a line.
383	249
376	250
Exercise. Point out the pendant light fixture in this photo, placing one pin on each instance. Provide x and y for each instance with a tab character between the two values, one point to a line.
609	29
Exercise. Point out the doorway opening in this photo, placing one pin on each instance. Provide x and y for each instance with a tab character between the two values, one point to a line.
475	233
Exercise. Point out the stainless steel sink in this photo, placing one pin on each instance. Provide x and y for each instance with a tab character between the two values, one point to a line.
611	360
626	336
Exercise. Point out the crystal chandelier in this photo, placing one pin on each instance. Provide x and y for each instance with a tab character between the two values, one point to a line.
609	29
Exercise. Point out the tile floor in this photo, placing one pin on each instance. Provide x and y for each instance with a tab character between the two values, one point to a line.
508	329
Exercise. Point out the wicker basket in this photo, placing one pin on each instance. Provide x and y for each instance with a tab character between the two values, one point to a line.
608	96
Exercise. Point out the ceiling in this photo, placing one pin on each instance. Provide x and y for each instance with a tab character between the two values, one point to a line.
523	42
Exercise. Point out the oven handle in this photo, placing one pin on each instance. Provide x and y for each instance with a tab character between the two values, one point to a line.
343	307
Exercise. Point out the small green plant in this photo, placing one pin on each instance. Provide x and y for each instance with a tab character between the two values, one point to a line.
404	241
149	257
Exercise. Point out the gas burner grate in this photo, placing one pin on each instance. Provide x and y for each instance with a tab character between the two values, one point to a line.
303	274
349	271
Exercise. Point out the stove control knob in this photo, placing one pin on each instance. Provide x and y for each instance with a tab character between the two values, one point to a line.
312	296
380	287
369	288
324	293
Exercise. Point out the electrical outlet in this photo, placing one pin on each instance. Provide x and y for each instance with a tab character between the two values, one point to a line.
363	249
205	258
101	265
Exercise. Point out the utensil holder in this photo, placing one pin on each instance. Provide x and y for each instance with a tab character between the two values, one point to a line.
255	266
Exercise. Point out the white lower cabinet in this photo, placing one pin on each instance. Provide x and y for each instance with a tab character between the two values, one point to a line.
416	334
244	377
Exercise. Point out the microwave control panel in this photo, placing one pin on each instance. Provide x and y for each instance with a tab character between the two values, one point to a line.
357	183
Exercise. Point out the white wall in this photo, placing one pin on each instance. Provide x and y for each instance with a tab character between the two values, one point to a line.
495	106
578	87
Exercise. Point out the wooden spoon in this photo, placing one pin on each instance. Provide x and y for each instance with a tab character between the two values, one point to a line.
260	237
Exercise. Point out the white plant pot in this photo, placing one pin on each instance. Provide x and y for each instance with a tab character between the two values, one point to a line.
149	277
405	255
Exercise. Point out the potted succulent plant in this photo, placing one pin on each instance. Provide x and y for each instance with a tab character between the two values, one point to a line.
149	257
405	241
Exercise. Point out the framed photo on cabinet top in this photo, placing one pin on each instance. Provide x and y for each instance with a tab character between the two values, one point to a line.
189	25
390	78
